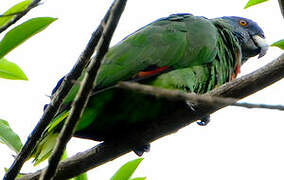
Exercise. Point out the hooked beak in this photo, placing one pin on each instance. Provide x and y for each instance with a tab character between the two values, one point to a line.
261	43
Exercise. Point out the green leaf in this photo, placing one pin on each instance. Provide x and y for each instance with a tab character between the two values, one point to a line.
254	2
139	178
9	70
22	32
15	9
279	44
126	171
9	137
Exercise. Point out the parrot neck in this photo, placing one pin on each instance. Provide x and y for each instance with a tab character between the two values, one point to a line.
229	48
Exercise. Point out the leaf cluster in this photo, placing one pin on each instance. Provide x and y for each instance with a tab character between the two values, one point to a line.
16	36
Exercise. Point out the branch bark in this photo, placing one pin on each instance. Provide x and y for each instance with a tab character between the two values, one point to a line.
192	98
150	132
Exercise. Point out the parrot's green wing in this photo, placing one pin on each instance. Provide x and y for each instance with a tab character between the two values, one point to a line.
177	41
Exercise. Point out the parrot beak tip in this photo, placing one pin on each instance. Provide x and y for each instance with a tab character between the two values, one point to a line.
261	43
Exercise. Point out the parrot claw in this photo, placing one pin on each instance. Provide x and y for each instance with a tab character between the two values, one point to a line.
139	151
204	120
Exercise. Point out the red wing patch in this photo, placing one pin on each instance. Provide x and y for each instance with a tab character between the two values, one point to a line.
152	72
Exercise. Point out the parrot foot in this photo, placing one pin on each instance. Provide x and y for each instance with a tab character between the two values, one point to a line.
204	120
141	149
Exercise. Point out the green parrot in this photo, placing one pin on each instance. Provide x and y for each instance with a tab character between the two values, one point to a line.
184	52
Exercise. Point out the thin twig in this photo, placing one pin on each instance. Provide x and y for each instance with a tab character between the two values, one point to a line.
261	106
281	5
150	131
82	96
192	98
20	15
56	100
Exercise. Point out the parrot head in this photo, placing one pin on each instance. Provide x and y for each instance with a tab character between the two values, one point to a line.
250	36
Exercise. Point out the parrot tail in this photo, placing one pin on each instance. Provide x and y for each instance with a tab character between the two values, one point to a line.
44	148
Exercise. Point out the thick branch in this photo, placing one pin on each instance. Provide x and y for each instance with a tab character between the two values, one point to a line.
149	132
85	90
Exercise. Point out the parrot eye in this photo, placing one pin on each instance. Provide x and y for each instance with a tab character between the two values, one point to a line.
243	22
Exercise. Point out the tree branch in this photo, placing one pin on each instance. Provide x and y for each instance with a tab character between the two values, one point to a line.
19	15
56	100
172	122
263	106
85	90
192	98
